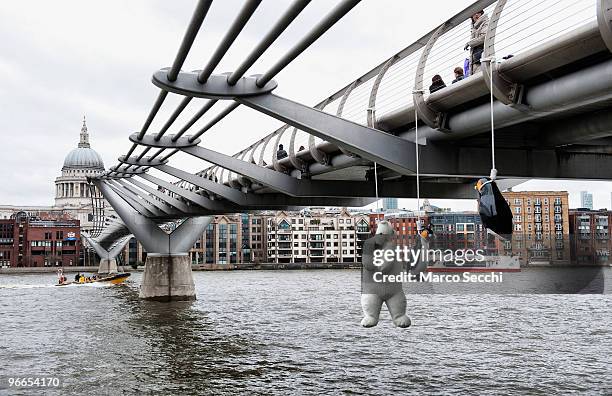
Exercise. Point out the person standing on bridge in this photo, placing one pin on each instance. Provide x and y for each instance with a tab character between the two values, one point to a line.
281	153
436	84
458	74
480	23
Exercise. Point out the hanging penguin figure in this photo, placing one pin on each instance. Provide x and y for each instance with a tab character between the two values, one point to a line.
422	244
494	211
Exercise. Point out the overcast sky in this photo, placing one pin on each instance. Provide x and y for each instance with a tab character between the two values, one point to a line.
62	59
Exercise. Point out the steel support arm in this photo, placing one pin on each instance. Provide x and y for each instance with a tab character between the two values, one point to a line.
144	229
167	209
250	201
175	203
381	147
152	238
139	205
111	253
189	195
277	180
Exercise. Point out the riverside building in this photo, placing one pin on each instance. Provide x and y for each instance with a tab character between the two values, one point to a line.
591	242
28	241
316	236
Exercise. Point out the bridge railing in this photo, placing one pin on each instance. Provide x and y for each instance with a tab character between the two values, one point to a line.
400	85
520	25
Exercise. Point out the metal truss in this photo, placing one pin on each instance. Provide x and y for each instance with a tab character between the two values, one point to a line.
335	172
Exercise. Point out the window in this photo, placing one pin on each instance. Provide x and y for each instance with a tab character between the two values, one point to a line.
517	210
517	201
557	201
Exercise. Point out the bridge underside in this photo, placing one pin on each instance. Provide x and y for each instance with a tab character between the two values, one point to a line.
549	103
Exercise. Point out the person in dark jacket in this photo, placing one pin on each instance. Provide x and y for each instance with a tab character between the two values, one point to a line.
436	84
458	74
281	153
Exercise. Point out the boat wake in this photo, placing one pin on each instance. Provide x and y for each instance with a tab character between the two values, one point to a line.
25	286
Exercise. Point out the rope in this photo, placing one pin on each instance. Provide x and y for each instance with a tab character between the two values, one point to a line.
492	116
493	174
376	186
416	147
418	184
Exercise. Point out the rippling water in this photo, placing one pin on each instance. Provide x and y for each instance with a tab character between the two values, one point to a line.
290	332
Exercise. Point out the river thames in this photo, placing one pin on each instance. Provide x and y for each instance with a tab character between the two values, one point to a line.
298	332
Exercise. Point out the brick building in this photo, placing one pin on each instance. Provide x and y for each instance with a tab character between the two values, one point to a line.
28	241
541	226
590	236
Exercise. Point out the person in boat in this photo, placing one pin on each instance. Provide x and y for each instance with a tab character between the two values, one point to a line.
77	276
60	276
82	279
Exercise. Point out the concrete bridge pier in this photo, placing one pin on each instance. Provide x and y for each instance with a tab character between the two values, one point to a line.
167	275
108	258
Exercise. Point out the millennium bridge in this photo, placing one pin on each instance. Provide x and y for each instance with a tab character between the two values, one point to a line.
539	107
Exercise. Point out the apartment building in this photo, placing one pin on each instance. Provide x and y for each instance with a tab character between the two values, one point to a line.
316	236
541	226
590	235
